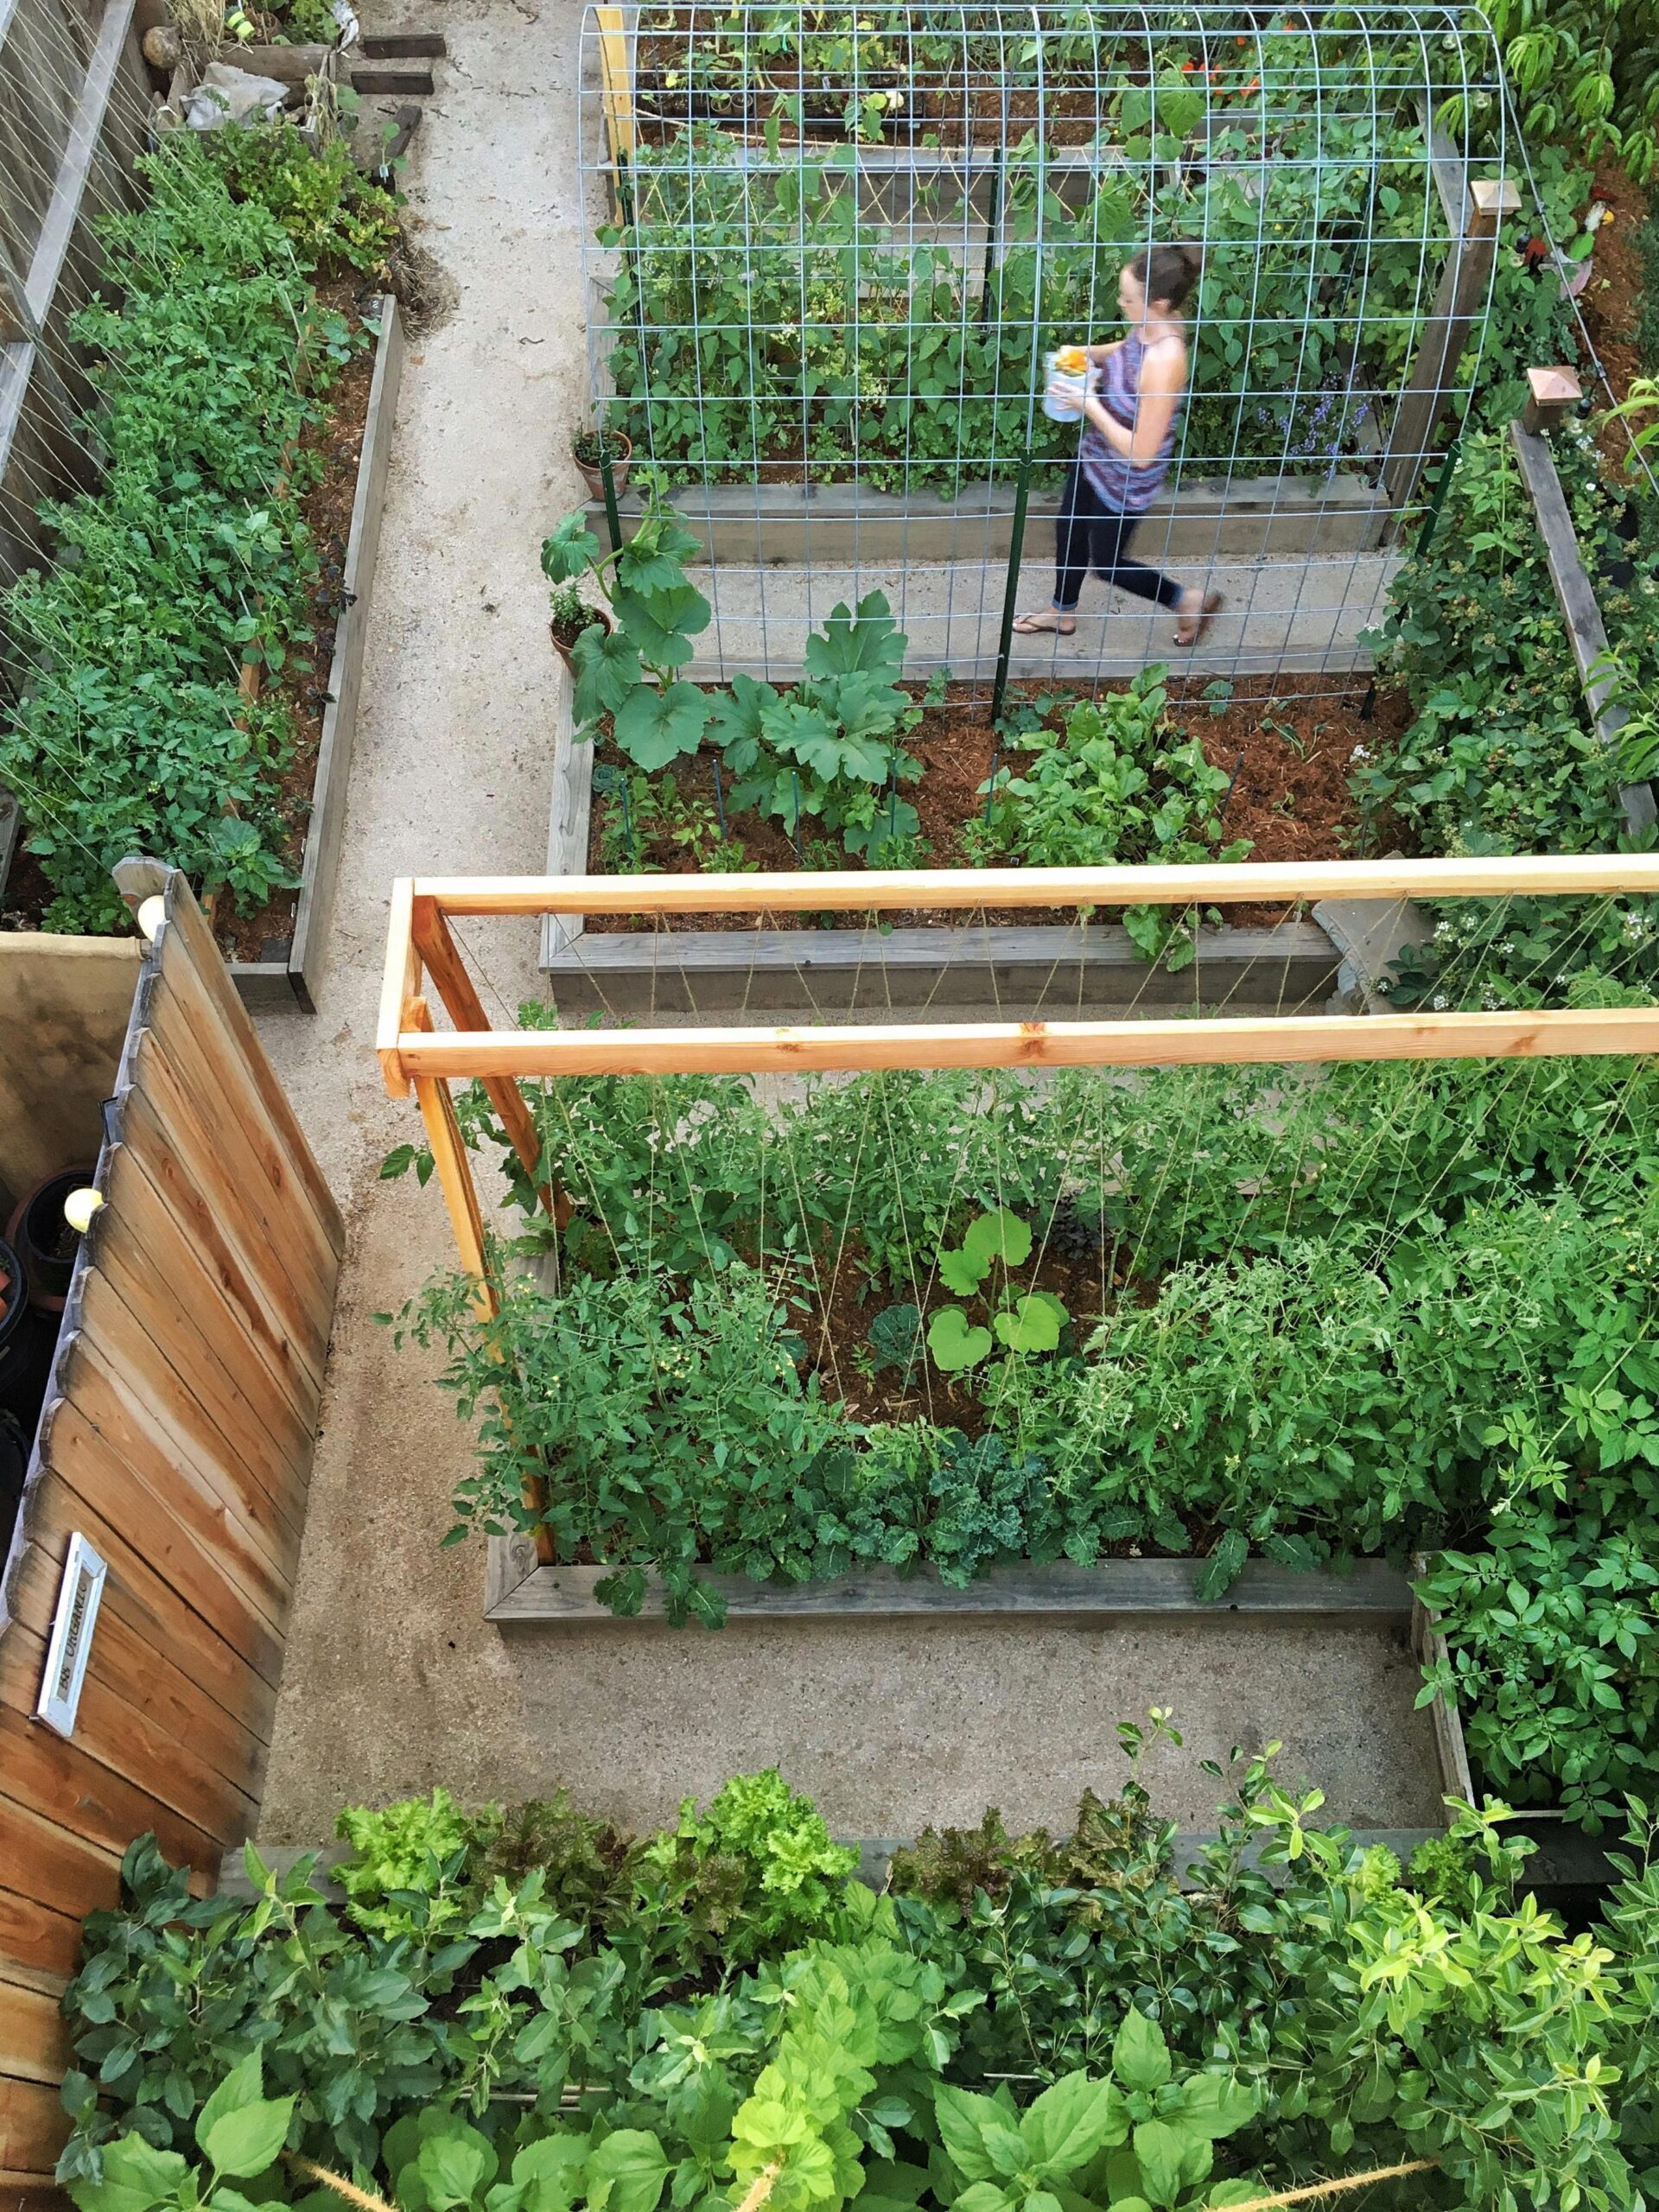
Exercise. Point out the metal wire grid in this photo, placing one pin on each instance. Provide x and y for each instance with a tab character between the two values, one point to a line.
794	226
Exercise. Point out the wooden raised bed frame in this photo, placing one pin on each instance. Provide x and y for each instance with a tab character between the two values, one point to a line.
1290	969
414	1055
278	982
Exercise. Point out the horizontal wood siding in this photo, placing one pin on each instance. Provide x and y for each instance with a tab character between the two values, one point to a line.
177	1440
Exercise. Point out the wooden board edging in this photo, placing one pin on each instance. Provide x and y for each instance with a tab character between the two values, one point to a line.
517	1590
1289	970
267	983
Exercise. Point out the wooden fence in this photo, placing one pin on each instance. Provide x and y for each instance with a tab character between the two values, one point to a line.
74	102
177	1440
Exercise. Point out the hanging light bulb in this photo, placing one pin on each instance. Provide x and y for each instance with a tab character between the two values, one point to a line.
79	1207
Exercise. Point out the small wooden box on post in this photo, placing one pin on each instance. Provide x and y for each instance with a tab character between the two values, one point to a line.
1552	395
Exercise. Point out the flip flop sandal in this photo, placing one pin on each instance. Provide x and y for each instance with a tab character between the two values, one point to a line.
1027	625
1213	603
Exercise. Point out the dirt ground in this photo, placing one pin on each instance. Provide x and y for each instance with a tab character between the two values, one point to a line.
394	1681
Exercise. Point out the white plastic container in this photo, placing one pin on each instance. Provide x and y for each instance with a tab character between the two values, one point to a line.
1082	382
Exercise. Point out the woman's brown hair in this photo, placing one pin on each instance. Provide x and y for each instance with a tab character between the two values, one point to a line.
1167	272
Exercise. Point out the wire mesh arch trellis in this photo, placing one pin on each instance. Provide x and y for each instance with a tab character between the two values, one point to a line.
832	246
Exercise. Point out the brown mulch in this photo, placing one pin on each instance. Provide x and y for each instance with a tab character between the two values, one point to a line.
267	933
1612	302
1292	739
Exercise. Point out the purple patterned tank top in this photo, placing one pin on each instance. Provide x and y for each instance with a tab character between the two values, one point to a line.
1126	487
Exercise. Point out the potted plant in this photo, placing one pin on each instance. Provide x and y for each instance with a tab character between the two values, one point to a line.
570	615
592	446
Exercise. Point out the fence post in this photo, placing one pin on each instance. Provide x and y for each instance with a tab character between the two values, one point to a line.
1011	589
1554	394
613	518
617	81
1463	285
993	231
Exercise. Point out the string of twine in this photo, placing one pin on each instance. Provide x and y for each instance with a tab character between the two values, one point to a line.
1305	2196
365	2199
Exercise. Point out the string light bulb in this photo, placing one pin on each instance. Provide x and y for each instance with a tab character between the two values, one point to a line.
151	915
79	1207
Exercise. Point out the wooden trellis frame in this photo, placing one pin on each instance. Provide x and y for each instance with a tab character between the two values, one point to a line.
421	948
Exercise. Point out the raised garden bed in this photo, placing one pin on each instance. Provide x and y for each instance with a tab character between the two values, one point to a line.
291	935
1287	744
275	955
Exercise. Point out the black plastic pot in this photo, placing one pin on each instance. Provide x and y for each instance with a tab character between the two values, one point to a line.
29	1337
14	1465
43	1240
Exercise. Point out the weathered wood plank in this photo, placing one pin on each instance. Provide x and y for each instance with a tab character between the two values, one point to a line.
57	1778
403	45
201	1172
159	1556
64	1873
34	2127
319	868
33	2035
1289	968
115	1730
259	1431
34	1935
160	1201
132	1664
63	211
1239	883
188	1090
140	1428
565	1594
140	1348
185	966
1576	596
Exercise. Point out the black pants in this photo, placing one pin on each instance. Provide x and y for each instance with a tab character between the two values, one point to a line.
1091	535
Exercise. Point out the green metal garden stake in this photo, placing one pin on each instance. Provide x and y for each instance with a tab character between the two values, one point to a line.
612	519
1005	643
993	226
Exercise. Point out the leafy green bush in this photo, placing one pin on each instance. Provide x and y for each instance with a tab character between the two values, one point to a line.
790	1872
1551	1653
1017	2017
1114	787
328	210
131	734
1501	756
420	1845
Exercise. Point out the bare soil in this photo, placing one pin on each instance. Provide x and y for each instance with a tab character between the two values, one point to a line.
1289	744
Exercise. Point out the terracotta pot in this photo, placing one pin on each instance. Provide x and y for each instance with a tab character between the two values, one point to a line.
593	476
603	615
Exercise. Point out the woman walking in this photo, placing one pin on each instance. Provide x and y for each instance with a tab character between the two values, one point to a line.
1123	456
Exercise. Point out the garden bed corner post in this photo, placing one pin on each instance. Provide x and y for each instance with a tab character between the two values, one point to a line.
403	1011
1465	280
